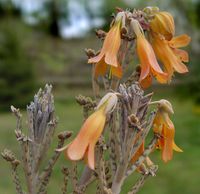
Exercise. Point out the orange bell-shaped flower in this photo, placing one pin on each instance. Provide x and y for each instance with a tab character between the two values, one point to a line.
108	56
164	126
163	24
148	61
170	55
83	146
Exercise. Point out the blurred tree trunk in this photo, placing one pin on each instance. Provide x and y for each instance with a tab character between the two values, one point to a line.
54	18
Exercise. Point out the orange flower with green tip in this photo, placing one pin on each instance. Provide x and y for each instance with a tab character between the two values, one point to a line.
165	127
148	62
83	146
163	24
108	56
170	55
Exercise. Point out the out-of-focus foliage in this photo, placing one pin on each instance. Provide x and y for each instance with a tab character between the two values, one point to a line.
191	86
62	64
8	8
108	8
16	71
55	12
197	12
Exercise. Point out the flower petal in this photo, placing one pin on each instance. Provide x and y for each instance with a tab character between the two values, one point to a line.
116	71
145	71
168	57
100	68
163	23
93	140
91	156
163	53
183	55
144	56
165	127
97	58
180	41
158	123
176	148
112	44
161	77
77	148
146	82
148	60
167	152
180	67
138	153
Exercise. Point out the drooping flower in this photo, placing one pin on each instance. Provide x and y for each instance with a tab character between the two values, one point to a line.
165	45
148	61
170	55
165	127
108	56
163	24
83	146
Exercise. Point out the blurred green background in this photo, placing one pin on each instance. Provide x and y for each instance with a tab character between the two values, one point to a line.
43	41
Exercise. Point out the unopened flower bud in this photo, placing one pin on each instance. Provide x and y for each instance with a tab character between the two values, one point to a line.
110	102
166	106
163	23
150	9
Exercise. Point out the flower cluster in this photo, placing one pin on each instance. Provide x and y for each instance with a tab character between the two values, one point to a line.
154	40
152	33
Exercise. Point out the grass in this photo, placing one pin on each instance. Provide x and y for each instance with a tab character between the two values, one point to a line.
178	176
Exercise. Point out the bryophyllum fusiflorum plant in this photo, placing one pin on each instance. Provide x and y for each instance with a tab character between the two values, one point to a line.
112	141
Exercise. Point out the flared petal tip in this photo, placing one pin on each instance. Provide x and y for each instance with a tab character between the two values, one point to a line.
62	149
166	160
181	68
176	148
72	155
91	166
90	156
76	149
167	156
94	60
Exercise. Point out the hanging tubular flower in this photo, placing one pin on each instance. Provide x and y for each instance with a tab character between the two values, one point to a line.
148	62
170	55
84	144
109	52
164	126
163	24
